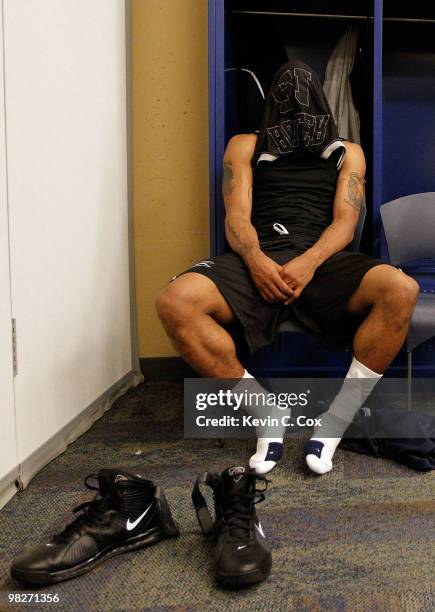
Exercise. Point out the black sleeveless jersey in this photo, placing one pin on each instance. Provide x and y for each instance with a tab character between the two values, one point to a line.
294	196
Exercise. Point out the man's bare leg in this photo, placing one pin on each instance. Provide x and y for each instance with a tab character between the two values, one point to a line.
387	297
193	311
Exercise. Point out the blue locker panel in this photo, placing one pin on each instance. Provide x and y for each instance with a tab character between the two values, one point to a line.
408	122
408	142
377	125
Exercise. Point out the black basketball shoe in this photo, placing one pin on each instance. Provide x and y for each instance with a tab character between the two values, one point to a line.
242	554
128	513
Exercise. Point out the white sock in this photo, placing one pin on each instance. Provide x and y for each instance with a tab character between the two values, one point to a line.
357	386
269	449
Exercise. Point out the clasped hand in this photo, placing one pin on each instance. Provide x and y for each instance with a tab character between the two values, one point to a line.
278	283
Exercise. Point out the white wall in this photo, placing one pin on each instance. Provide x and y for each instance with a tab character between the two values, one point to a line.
8	454
67	151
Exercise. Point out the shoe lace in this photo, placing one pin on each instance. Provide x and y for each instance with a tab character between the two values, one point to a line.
92	513
237	516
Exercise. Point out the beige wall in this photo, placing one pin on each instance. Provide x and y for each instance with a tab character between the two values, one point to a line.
170	151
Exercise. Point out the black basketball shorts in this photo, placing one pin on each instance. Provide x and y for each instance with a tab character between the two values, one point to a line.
321	306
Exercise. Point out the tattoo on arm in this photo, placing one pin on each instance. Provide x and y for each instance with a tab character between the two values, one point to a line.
228	182
355	190
238	227
238	238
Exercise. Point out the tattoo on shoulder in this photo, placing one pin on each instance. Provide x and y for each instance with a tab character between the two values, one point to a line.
355	190
228	182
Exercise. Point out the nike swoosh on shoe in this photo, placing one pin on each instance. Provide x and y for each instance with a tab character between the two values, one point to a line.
130	526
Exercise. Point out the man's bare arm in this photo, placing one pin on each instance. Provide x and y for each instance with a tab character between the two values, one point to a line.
349	196
240	233
237	192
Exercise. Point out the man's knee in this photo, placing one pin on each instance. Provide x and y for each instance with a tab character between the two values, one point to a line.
188	297
176	303
399	296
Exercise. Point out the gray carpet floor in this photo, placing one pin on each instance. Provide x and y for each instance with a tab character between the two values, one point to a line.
360	538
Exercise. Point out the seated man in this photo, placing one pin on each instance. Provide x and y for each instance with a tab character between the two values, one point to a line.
293	196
